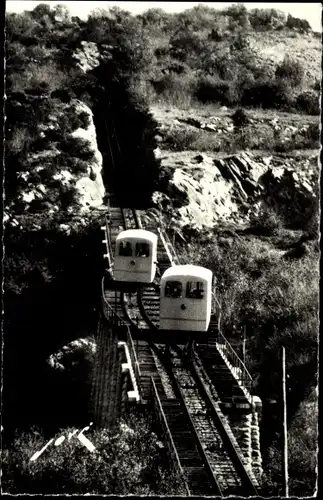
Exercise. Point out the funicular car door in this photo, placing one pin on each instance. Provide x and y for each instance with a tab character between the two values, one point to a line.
142	258
125	253
193	305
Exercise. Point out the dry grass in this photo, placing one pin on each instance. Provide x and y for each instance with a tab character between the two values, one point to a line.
259	135
36	74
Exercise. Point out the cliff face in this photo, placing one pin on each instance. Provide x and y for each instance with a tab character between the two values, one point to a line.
90	186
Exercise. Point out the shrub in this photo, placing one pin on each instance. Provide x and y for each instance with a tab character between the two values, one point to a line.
266	223
216	35
240	118
308	102
133	462
290	71
296	23
40	78
264	19
210	89
267	94
180	140
186	46
20	140
175	89
303	450
317	85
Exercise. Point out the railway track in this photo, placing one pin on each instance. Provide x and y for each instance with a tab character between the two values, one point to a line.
210	460
220	447
193	463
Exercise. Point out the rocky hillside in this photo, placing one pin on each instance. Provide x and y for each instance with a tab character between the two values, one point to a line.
274	47
218	188
206	120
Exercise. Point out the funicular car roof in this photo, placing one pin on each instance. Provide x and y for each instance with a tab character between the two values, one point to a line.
137	234
188	271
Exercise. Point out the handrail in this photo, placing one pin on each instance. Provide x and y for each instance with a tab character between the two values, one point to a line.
243	374
133	354
112	316
137	219
168	247
108	226
173	450
115	319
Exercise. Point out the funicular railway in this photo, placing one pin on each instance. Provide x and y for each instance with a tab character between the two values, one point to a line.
204	450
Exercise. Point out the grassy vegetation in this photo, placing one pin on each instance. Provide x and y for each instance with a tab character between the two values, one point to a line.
252	137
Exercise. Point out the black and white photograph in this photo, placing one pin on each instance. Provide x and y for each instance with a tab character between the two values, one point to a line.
161	249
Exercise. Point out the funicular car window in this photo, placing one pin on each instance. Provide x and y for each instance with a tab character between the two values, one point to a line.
142	250
125	249
195	290
173	289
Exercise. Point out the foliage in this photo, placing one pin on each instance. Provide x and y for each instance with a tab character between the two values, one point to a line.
267	94
132	462
266	223
308	102
290	71
303	449
264	19
212	89
43	282
295	23
240	118
209	42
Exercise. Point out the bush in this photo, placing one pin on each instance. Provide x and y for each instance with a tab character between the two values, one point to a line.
301	25
265	19
132	462
181	140
308	102
266	223
292	72
240	118
211	89
267	94
303	450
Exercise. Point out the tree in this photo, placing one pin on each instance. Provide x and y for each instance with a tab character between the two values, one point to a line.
238	15
61	13
264	19
41	10
155	19
300	24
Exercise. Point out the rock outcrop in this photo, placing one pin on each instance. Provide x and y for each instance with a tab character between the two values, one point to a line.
234	188
62	169
72	355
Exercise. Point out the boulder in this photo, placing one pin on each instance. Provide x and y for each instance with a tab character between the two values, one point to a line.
73	354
